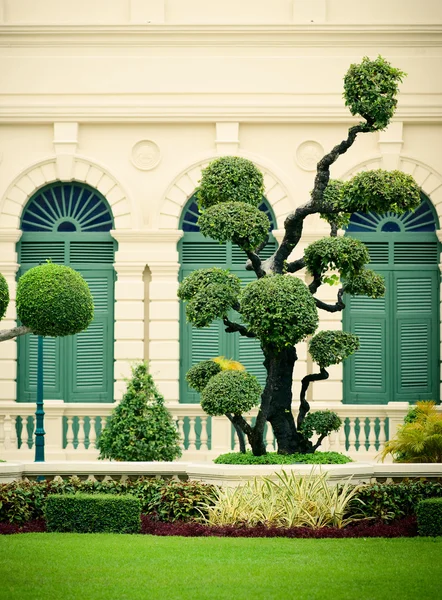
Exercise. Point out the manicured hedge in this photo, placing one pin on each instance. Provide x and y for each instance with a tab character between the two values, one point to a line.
93	513
429	517
23	501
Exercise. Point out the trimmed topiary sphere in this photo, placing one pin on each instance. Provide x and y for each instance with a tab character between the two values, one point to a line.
230	179
370	90
4	296
210	293
54	300
366	283
200	374
241	223
345	254
234	392
332	347
321	422
380	191
279	309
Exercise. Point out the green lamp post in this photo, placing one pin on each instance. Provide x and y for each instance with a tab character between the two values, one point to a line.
39	413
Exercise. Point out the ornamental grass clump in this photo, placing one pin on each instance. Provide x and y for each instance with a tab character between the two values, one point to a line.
420	439
290	501
140	427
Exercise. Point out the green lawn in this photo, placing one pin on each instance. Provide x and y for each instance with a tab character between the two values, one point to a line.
91	566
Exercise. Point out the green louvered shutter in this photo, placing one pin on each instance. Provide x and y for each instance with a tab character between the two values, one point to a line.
366	371
90	349
416	335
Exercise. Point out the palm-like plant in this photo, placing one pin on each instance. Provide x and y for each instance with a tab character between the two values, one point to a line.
418	441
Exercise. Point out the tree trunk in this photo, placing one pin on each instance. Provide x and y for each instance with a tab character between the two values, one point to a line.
276	406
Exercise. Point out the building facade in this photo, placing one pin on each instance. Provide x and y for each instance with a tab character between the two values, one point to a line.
115	107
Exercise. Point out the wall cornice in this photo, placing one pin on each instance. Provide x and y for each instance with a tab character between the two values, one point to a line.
309	35
202	108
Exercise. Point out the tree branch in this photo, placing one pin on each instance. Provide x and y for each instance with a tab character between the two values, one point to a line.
332	307
296	265
304	406
9	334
232	327
239	432
313	287
256	263
319	442
239	421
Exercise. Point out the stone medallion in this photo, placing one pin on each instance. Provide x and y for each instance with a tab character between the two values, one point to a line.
145	155
308	154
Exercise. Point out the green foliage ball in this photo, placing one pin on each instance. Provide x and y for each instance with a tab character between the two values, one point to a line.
380	191
332	201
279	309
245	225
366	283
233	392
200	374
370	90
230	179
4	296
54	300
332	347
210	293
345	254
140	428
321	422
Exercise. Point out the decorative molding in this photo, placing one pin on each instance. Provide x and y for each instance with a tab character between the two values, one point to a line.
203	108
185	183
157	35
136	236
308	154
145	155
47	171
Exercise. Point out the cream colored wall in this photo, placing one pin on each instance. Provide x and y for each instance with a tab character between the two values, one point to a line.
136	96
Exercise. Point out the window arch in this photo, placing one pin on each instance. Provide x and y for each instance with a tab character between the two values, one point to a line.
399	333
69	223
196	252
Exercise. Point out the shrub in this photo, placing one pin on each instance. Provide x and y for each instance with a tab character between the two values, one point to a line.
345	254
393	501
429	517
54	300
332	347
419	440
233	392
23	501
321	422
273	458
291	501
97	513
4	296
279	309
200	374
140	427
230	179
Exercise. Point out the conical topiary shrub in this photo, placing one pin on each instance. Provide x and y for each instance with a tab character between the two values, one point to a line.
140	427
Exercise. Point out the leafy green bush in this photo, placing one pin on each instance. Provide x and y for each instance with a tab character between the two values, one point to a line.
140	428
429	517
54	300
93	513
420	440
210	293
332	347
22	501
233	392
365	283
392	501
230	179
200	374
370	90
4	296
239	222
321	422
291	501
279	309
346	254
273	458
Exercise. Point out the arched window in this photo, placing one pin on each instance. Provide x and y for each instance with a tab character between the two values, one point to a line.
399	355
196	252
69	223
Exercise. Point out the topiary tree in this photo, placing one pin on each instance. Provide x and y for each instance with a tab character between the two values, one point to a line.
140	427
52	300
278	308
